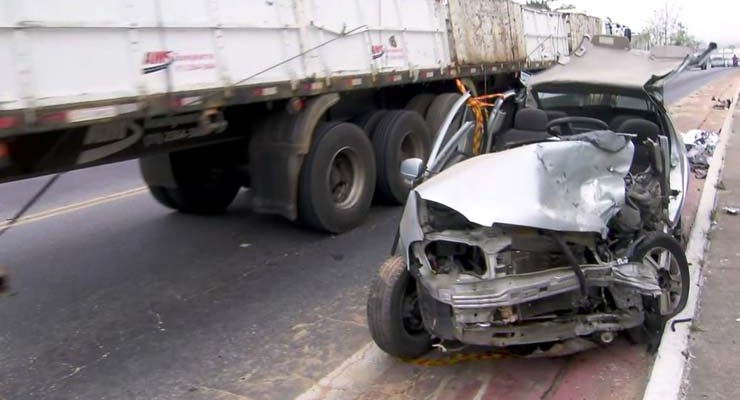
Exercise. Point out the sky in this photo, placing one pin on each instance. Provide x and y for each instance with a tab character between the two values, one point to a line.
708	20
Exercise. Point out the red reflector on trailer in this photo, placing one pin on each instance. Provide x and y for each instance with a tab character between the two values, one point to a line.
295	105
8	122
53	118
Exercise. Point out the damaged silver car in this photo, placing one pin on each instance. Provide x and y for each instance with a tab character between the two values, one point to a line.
552	221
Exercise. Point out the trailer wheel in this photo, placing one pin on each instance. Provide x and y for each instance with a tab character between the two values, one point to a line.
201	187
402	134
438	111
370	120
393	312
420	103
338	178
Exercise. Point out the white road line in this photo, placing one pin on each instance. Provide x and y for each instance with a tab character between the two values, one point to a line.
352	377
74	207
670	364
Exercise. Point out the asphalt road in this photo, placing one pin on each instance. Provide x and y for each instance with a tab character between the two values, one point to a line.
689	81
122	298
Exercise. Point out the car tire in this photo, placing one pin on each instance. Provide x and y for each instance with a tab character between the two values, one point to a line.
393	313
650	250
337	179
401	134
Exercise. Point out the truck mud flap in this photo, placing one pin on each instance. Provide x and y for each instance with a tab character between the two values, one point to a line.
276	154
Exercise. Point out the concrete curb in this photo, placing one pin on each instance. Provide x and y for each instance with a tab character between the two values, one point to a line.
349	379
670	364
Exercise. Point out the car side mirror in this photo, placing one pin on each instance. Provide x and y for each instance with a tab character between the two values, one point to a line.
412	168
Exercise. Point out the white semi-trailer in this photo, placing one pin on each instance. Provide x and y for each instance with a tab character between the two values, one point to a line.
312	104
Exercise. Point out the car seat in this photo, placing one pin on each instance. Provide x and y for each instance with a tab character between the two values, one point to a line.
644	130
530	126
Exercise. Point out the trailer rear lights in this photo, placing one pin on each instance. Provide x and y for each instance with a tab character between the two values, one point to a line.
53	118
8	122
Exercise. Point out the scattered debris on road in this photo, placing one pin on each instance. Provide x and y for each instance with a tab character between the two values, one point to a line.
700	145
721	104
731	210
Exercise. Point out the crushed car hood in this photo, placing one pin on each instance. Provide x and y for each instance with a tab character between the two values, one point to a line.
607	62
571	186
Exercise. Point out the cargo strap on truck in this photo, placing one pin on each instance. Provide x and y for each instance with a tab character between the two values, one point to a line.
478	106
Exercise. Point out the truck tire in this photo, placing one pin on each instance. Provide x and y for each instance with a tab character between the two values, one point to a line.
370	120
200	187
337	179
400	135
438	111
393	313
420	103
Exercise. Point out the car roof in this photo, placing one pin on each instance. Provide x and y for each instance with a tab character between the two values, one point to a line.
607	62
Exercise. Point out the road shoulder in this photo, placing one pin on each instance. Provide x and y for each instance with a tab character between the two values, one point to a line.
671	360
714	338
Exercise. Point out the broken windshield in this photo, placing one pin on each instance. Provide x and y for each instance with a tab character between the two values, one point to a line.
549	100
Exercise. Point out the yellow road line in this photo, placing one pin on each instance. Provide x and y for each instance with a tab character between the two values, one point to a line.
54	212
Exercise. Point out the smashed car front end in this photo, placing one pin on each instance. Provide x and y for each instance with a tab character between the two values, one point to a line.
476	288
506	258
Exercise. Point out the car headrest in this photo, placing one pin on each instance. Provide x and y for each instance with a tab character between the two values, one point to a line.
531	119
617	121
554	114
640	127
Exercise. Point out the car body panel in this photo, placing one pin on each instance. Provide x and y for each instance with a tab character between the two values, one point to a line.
547	191
607	65
607	62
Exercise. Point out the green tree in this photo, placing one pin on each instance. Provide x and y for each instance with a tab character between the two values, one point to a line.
540	4
665	28
682	37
